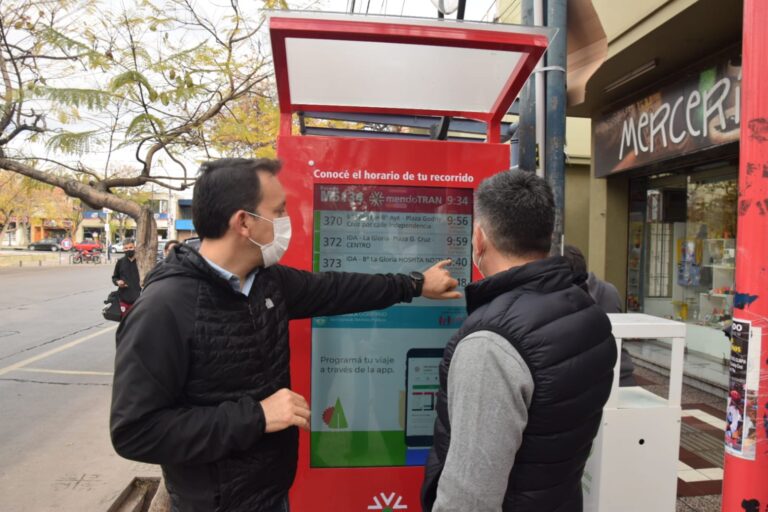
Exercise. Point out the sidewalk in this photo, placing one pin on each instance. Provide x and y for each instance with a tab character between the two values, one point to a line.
705	385
700	466
26	259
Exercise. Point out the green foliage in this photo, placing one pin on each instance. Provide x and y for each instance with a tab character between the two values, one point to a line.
131	77
90	98
81	51
143	125
250	130
276	4
72	143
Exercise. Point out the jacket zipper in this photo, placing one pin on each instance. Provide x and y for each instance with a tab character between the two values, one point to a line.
250	313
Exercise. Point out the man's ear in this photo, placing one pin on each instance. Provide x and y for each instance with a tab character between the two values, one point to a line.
479	240
238	224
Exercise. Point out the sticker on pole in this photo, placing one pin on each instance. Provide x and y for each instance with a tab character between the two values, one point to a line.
742	407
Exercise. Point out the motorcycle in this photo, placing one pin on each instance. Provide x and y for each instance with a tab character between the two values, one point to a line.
86	257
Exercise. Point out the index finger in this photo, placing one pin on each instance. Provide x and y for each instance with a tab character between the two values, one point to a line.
444	263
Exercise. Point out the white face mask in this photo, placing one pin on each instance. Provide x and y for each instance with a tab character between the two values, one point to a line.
273	251
477	260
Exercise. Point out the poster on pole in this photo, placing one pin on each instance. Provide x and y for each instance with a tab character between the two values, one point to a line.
742	406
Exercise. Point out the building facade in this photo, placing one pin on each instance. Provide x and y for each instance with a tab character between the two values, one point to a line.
665	111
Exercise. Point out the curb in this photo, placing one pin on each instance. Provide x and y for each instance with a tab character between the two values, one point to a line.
137	496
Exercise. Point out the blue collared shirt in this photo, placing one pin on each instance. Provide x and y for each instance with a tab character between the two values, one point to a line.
233	280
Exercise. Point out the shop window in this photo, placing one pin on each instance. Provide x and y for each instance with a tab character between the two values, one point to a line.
707	263
688	229
682	251
659	260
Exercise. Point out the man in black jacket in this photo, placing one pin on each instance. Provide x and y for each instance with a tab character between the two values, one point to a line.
202	382
607	297
524	381
126	278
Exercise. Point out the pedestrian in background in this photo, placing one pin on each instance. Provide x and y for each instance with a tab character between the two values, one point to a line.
607	297
126	278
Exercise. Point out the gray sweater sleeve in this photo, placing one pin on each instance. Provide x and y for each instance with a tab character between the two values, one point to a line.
489	392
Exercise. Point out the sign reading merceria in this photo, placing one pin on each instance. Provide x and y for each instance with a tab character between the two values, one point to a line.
690	115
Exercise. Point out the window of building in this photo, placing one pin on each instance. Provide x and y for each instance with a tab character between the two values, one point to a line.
682	251
659	260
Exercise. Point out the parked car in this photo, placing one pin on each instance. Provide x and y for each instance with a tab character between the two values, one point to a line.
117	247
47	244
88	245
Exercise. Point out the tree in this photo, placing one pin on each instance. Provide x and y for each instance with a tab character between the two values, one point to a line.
248	128
21	199
11	196
85	85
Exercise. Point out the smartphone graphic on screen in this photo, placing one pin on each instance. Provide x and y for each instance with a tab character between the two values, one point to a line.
422	382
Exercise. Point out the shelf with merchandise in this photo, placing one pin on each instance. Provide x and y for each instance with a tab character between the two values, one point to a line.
720	253
715	302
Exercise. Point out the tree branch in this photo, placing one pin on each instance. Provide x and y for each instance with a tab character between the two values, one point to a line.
210	29
137	181
10	105
19	129
79	169
73	188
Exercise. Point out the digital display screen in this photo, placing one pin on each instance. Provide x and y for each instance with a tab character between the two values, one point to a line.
370	405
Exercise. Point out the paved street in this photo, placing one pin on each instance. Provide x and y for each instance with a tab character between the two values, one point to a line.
56	359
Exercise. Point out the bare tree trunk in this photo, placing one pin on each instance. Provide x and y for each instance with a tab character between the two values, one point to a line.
146	242
4	229
24	239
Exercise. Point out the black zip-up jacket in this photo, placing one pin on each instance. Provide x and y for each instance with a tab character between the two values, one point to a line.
195	358
127	271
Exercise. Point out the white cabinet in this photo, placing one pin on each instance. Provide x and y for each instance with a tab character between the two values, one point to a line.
633	464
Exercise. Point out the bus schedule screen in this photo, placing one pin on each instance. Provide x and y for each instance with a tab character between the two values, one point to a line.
360	395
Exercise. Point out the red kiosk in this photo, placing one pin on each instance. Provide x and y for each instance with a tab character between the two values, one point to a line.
384	205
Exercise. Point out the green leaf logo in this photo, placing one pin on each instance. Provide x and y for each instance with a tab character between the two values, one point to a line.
334	417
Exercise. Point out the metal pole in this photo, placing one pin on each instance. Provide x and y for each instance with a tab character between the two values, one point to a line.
541	82
526	130
746	458
554	154
462	8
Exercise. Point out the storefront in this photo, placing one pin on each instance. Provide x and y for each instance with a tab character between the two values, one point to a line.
679	148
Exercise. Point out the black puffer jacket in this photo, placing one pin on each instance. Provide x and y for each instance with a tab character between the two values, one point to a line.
565	339
195	358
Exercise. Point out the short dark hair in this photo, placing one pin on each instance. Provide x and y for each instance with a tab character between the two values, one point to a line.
172	241
129	241
225	186
517	212
575	258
